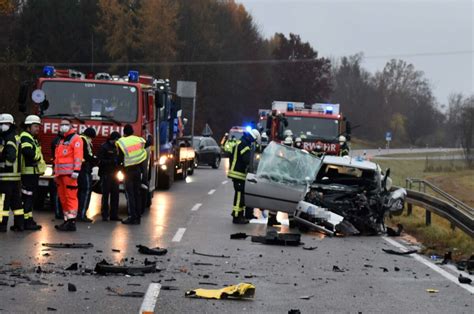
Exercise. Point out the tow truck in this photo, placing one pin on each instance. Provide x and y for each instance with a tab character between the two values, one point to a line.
318	125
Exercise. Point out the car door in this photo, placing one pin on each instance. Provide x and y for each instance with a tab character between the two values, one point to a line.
282	178
205	151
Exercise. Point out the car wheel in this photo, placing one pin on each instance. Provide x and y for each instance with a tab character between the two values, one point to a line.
217	162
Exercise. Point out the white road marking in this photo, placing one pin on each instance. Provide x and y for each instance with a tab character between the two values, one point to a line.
211	192
434	267
179	235
196	207
149	301
225	182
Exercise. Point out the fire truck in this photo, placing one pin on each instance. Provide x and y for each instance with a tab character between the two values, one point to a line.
107	103
318	125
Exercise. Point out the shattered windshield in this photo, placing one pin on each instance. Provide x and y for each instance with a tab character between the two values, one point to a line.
287	165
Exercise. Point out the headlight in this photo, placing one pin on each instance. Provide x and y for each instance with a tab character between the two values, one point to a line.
120	176
162	160
164	167
49	171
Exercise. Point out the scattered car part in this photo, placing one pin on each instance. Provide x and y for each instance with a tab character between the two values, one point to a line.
274	238
388	251
240	291
432	290
71	287
103	268
306	297
69	245
395	233
118	292
209	255
154	251
464	280
116	250
336	269
238	236
72	267
310	248
448	256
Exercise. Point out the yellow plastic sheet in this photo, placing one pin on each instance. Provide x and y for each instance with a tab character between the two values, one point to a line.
240	291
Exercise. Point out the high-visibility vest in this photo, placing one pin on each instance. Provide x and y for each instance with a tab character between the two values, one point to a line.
238	169
11	171
89	145
38	166
133	148
68	154
229	145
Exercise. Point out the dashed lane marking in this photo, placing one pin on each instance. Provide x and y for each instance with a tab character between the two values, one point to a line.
211	192
179	235
149	301
225	182
196	207
434	267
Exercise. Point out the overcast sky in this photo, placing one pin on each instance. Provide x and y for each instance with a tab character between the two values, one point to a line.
377	28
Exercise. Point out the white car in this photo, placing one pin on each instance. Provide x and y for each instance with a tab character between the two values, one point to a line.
333	194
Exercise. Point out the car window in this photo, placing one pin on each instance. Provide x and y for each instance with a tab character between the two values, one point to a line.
211	142
287	165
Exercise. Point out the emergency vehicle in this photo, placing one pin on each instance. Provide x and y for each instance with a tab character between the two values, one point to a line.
107	103
318	125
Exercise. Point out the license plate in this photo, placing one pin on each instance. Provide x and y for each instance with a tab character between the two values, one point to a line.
43	183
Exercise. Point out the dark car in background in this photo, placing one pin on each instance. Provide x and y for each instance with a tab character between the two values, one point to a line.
208	152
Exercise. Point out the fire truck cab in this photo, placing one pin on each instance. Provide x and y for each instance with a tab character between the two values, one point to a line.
101	101
318	125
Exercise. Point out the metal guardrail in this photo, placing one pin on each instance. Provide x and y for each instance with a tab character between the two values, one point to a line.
459	214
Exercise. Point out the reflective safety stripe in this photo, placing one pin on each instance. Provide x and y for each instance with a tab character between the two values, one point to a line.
60	172
26	192
18	212
28	215
246	149
237	175
64	165
2	199
4	213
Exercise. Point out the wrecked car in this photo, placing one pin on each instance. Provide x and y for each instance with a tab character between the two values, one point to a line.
331	194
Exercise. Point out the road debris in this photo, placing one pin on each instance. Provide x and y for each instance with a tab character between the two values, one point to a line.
238	236
274	238
464	280
169	288
432	290
71	287
209	255
294	311
153	251
116	250
69	245
118	292
72	267
448	257
388	251
103	267
203	264
306	297
385	269
240	291
395	233
208	283
52	309
310	248
336	269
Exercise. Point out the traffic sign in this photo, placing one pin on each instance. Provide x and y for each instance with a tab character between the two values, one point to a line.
388	136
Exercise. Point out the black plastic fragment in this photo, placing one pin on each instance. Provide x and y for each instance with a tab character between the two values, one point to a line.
388	251
151	251
72	267
274	238
68	245
238	236
71	287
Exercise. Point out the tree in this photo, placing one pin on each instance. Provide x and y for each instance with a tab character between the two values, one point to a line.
308	81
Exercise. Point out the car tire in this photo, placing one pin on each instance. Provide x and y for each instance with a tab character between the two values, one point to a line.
191	168
216	163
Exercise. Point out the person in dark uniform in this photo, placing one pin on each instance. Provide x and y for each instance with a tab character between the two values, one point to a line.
108	168
85	175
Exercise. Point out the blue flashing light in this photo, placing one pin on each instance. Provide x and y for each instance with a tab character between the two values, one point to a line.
248	128
133	76
48	71
329	109
290	106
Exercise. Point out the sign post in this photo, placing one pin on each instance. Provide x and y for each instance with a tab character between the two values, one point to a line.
388	138
187	89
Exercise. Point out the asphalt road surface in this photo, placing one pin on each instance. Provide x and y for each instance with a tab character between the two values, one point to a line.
195	215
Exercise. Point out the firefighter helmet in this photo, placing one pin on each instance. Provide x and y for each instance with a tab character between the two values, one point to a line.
6	118
288	141
255	135
32	119
342	139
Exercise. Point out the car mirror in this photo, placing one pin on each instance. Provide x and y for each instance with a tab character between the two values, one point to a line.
44	105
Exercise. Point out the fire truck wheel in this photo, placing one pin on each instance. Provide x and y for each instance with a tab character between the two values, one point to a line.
191	169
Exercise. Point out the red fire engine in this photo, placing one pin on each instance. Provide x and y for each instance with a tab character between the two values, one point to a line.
319	125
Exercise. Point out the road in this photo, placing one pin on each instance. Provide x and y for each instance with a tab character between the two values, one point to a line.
195	215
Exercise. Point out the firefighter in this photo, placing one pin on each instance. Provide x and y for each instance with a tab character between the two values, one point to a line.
32	166
343	146
132	153
10	174
239	162
299	143
108	167
84	182
288	141
67	165
229	144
